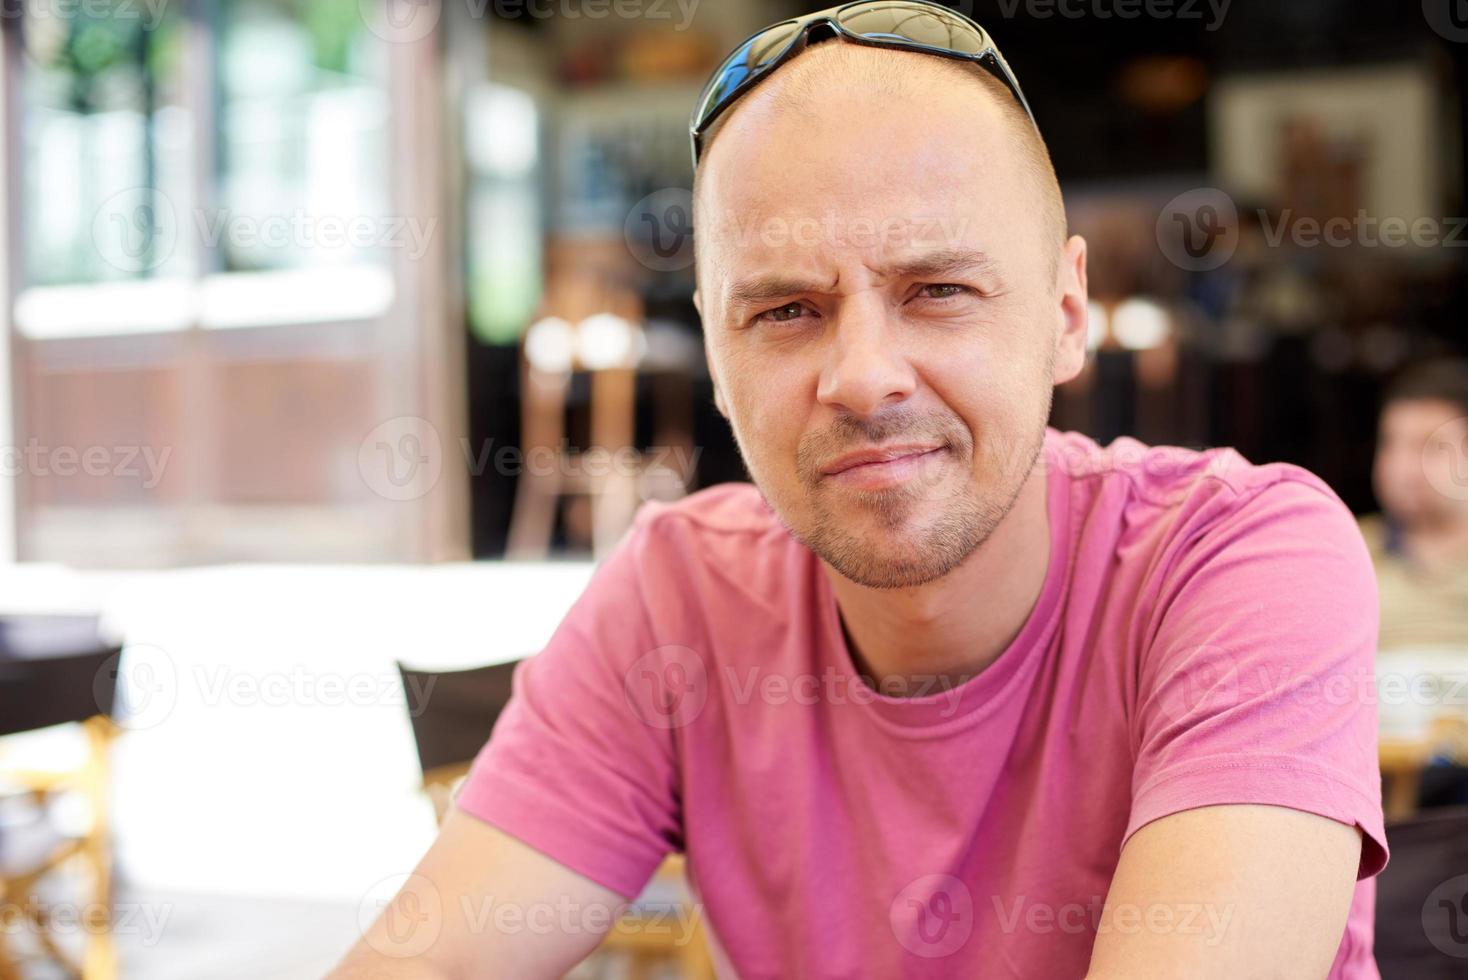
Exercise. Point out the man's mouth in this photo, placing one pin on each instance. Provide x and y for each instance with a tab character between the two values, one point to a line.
881	466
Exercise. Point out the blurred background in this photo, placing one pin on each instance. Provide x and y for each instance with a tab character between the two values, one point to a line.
341	337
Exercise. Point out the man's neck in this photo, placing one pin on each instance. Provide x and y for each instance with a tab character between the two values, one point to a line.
1438	544
952	628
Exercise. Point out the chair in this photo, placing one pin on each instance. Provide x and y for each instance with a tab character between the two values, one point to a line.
592	327
56	670
545	388
1422	898
453	714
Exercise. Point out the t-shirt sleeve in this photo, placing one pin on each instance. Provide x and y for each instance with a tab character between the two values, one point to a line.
1256	682
571	769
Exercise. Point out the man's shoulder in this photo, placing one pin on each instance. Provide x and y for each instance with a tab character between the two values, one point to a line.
1172	493
727	525
722	509
1170	477
709	552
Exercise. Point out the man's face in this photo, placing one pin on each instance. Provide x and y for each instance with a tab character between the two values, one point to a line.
876	275
1421	473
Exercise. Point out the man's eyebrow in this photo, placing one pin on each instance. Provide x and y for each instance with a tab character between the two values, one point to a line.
940	262
943	261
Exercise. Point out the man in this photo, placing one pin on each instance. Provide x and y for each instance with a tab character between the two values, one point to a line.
1419	542
945	693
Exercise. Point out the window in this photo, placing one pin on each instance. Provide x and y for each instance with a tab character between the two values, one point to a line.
503	230
106	142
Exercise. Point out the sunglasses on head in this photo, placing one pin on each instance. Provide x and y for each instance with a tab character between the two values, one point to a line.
908	25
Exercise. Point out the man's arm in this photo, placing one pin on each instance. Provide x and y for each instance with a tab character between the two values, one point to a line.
1229	892
483	904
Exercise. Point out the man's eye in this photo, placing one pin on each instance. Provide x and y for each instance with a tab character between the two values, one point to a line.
946	290
782	314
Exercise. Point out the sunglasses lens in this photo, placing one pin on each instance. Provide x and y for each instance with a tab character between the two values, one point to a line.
922	24
747	59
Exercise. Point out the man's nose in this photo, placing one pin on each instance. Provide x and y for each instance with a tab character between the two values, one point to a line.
866	366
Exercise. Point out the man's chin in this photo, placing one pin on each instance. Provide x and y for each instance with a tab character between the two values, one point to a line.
888	553
880	569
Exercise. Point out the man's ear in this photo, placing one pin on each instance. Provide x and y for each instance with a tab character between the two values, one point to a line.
714	376
1071	327
719	400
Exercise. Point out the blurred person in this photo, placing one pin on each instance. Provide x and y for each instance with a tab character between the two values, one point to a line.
944	691
1419	541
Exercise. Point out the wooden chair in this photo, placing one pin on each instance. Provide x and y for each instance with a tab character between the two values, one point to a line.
453	714
545	385
57	670
591	324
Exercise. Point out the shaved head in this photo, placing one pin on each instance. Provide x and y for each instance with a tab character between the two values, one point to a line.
837	66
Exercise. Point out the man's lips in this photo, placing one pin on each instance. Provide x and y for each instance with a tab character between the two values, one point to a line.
882	454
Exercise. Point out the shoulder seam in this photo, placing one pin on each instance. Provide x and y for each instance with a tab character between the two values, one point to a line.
668	511
1278	473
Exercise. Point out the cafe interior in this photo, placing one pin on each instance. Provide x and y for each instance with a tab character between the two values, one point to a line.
343	338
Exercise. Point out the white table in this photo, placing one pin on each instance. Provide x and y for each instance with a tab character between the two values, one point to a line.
275	756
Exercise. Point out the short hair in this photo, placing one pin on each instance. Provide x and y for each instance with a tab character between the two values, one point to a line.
891	76
1441	379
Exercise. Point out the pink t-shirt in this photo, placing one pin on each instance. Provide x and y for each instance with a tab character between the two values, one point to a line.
1204	635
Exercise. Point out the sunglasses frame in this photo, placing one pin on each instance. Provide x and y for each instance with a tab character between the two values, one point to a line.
988	56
